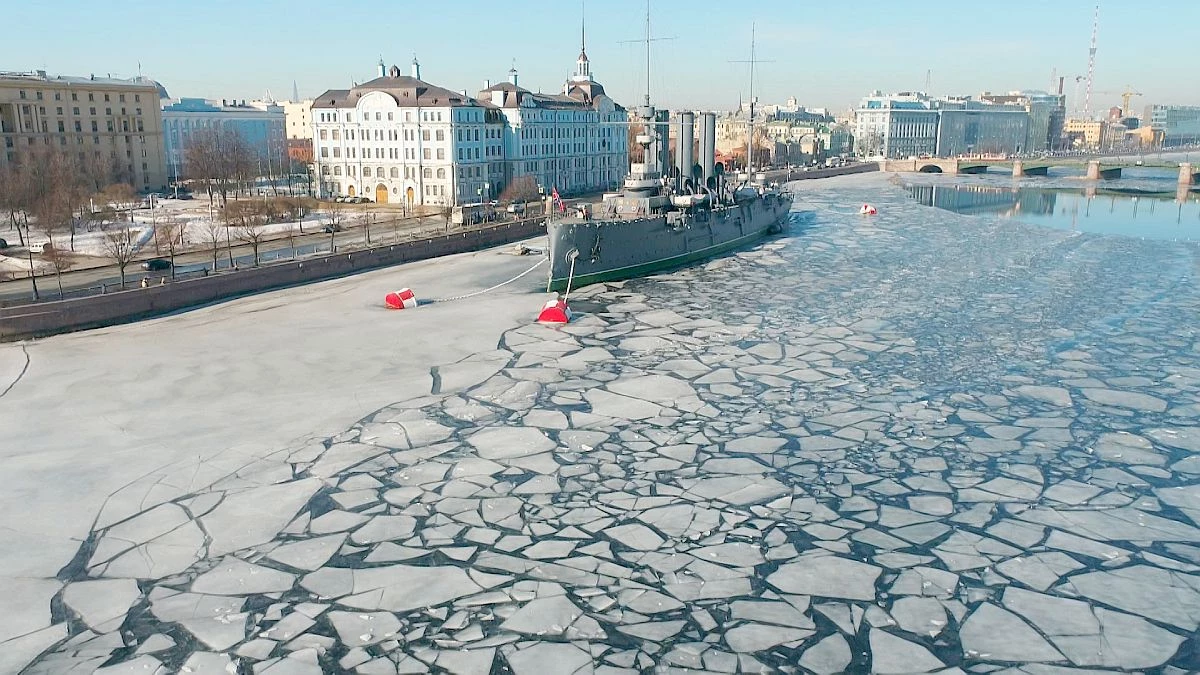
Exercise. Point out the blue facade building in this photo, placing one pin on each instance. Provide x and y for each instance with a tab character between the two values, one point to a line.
260	124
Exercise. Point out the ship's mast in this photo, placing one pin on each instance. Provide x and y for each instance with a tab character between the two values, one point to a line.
750	119
647	104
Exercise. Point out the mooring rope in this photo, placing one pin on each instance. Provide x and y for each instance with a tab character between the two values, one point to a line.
492	288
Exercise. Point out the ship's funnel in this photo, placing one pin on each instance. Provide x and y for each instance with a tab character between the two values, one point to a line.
683	147
708	144
662	135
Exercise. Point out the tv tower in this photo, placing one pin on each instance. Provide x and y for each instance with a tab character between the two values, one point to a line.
1087	99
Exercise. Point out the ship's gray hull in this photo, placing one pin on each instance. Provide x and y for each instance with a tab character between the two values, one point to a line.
608	250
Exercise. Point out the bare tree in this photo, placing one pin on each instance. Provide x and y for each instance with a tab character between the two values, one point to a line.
60	261
335	213
167	233
521	190
54	191
249	218
219	160
212	233
119	244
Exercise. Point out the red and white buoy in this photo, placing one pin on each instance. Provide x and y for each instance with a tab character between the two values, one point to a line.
867	210
555	313
401	299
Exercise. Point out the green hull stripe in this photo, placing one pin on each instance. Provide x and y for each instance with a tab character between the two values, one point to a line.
643	269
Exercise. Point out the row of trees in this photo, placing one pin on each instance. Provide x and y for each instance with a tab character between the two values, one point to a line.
52	192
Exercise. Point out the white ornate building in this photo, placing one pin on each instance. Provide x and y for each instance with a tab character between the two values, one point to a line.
576	141
398	138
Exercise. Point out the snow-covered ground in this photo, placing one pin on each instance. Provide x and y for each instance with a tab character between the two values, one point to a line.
911	442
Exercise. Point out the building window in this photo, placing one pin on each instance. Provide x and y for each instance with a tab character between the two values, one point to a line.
427	154
324	151
395	173
75	111
441	173
337	152
425	134
441	153
337	170
366	171
441	135
389	117
106	99
427	173
336	135
137	98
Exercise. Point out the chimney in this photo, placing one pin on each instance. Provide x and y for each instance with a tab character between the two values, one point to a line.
683	146
487	84
416	69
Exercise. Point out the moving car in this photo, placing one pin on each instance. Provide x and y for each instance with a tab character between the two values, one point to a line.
156	265
329	229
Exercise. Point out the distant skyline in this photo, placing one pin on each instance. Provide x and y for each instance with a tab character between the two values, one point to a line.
826	55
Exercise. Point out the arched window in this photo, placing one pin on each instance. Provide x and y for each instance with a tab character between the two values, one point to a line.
395	172
441	173
366	171
379	171
428	173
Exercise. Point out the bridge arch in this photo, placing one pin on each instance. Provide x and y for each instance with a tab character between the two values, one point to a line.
930	168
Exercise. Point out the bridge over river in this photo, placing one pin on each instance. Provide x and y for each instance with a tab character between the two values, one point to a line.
1097	169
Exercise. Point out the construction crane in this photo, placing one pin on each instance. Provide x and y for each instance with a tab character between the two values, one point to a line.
1126	97
1091	74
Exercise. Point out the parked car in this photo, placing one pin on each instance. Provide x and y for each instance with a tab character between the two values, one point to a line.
3	243
330	229
516	207
40	247
156	265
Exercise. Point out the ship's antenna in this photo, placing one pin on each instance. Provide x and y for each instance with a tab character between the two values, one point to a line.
750	119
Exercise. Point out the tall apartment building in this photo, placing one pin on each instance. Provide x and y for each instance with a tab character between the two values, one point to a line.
1174	125
400	138
260	124
895	126
297	119
912	124
1047	116
99	119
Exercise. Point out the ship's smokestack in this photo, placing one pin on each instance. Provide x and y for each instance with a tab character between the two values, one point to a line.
662	132
683	147
708	144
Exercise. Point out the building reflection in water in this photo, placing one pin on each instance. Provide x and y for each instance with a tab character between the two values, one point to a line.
974	199
1127	214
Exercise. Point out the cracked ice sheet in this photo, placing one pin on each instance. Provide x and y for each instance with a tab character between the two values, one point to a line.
655	475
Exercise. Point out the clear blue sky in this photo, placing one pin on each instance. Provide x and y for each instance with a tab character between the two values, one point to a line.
824	53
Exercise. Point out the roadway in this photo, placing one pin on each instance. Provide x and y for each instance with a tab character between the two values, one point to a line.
196	262
95	279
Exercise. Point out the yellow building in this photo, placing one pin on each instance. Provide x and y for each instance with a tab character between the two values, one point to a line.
1092	133
108	121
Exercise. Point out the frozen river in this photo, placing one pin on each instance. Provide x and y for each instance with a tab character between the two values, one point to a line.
917	442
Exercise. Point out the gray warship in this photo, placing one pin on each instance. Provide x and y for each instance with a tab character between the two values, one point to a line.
665	216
